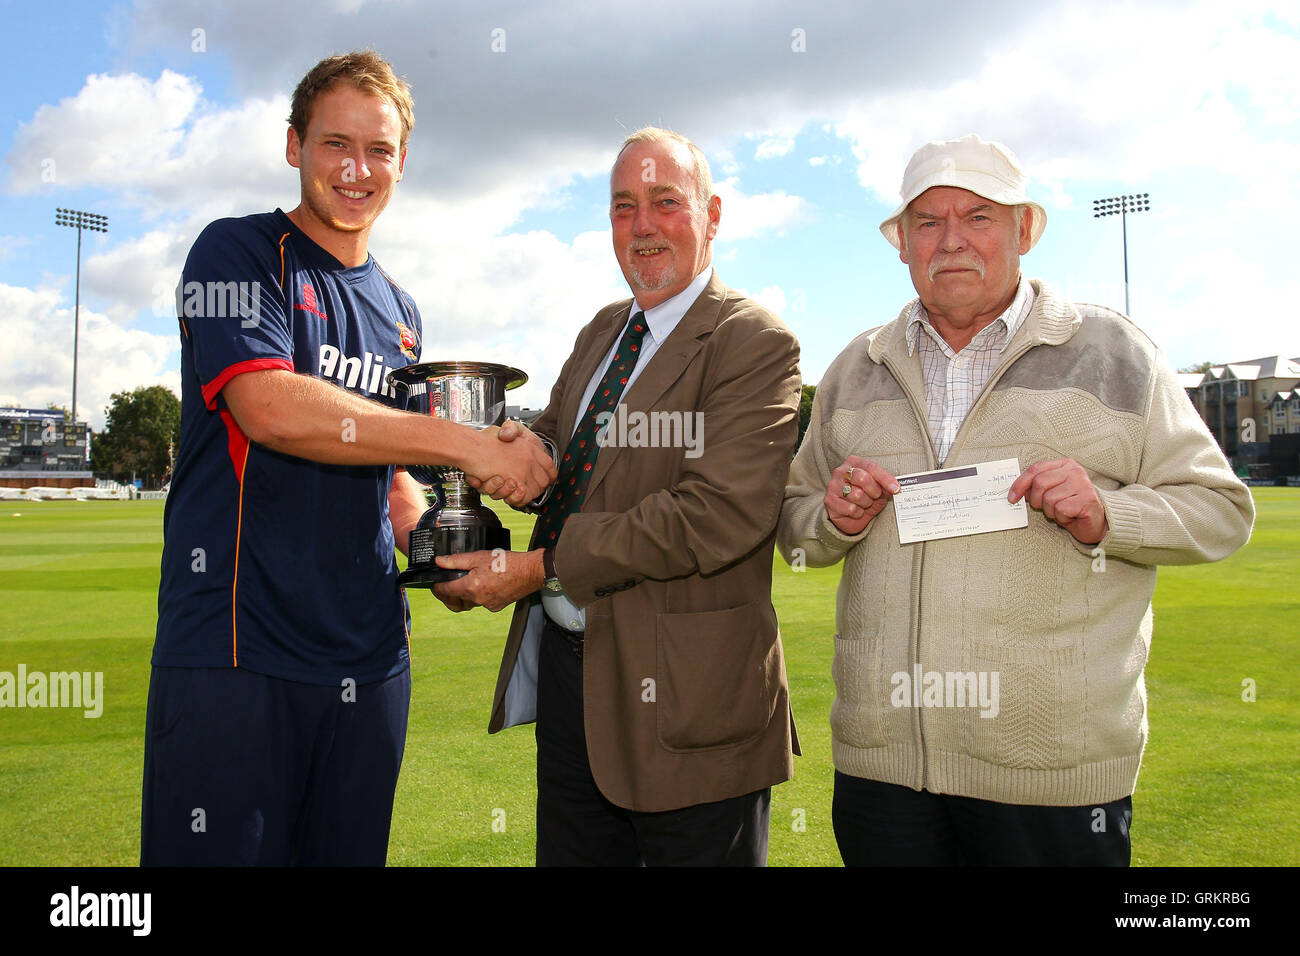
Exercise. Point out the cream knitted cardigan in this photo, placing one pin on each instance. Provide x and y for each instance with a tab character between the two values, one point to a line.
1062	630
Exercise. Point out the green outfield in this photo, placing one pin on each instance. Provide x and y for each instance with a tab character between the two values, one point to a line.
78	587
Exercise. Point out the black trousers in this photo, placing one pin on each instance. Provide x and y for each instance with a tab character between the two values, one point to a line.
882	824
241	769
577	826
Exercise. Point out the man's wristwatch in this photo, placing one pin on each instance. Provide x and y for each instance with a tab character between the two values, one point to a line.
557	605
552	581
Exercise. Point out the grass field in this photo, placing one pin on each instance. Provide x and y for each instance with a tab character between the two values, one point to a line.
78	591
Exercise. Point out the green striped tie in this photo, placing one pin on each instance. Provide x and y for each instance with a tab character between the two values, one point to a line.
580	455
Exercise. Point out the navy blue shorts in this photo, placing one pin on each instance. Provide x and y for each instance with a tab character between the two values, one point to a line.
241	769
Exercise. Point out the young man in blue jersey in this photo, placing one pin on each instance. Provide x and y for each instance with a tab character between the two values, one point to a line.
280	689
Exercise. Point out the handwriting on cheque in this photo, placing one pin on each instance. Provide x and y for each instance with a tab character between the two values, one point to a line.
957	501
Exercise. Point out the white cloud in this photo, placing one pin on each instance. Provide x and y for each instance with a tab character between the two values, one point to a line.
139	274
724	162
1200	313
1153	92
117	131
38	345
771	297
517	298
774	147
745	217
156	144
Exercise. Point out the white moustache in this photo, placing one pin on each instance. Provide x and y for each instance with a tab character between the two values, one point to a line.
958	261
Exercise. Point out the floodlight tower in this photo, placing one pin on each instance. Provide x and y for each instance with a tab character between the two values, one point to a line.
1137	202
78	220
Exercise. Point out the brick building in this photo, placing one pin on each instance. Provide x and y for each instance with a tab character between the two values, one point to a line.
1246	403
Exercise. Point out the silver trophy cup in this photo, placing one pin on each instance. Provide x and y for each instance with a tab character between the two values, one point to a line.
468	393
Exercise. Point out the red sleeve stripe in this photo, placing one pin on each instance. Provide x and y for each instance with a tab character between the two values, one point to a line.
214	387
239	446
236	444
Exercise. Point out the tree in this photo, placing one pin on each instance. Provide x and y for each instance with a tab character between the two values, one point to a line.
805	410
141	429
1198	367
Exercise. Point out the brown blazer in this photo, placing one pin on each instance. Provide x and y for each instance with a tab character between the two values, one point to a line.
684	685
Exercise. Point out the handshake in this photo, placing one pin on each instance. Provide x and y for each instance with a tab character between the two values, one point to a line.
510	463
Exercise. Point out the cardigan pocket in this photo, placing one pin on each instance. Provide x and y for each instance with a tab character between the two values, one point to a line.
717	678
860	695
1042	718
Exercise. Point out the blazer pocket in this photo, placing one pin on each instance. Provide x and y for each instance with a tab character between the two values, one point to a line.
716	678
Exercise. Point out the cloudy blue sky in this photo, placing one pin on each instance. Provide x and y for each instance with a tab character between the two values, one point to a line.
166	115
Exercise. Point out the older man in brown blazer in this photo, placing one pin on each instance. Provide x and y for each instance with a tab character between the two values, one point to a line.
644	643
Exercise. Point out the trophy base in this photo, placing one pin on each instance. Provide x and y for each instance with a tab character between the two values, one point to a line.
426	543
428	577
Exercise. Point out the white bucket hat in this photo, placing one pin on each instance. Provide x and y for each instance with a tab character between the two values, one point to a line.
987	169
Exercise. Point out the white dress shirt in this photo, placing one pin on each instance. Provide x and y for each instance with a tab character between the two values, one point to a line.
661	320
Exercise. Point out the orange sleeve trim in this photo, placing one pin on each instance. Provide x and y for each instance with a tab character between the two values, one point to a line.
214	387
406	301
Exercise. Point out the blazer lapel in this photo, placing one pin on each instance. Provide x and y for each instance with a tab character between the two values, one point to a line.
578	382
666	365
